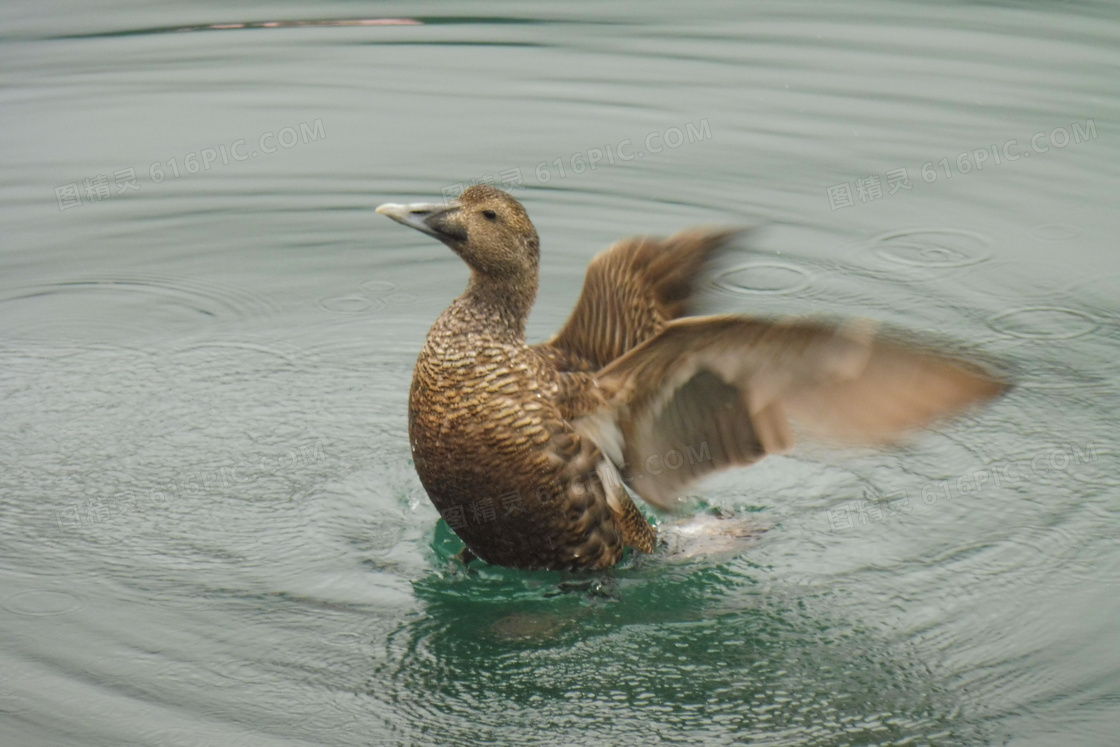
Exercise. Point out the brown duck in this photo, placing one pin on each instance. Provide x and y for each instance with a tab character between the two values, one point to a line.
528	451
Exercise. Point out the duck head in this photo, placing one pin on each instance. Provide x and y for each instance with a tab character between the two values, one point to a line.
485	226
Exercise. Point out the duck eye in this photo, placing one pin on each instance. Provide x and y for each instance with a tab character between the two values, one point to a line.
490	214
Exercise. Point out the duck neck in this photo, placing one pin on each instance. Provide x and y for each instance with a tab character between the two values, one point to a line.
502	304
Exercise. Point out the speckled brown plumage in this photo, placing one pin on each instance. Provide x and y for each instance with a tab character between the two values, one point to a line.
528	452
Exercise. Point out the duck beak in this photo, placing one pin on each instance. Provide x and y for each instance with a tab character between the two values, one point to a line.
425	217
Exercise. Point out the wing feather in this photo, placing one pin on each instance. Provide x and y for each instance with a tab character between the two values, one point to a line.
715	392
630	292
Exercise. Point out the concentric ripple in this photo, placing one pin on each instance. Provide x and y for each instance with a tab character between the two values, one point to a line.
939	248
118	307
42	603
764	277
1043	323
348	304
1055	232
376	295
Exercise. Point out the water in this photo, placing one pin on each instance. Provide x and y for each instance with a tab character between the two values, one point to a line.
211	530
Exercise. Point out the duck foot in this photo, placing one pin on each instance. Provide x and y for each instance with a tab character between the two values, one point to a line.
602	587
464	556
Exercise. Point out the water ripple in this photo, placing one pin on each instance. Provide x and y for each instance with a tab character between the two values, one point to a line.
1055	232
119	306
376	295
42	603
931	248
764	277
1043	323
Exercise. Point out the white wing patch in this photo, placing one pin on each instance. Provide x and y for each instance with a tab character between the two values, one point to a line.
602	428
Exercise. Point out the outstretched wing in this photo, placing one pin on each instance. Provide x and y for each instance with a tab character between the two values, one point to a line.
630	292
713	392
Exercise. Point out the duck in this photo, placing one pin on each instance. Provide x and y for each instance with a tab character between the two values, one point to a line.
533	453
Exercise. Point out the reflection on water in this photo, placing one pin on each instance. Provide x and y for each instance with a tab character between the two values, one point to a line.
702	651
212	529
